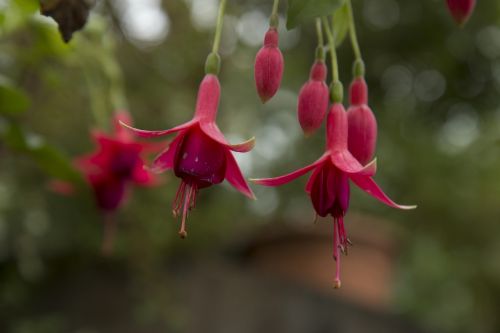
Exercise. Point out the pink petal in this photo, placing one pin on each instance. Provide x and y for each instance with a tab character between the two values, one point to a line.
347	163
212	130
141	176
277	181
152	134
368	185
235	178
310	182
165	160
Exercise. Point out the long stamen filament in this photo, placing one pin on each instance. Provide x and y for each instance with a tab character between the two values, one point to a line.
336	253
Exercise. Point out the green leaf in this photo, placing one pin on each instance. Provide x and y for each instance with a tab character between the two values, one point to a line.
12	100
341	24
48	158
300	11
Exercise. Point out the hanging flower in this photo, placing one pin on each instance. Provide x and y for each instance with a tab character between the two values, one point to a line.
461	10
116	163
362	123
313	99
328	186
110	170
200	155
268	69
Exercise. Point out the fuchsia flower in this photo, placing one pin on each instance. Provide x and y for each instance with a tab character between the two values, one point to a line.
200	155
116	163
461	10
313	99
362	123
329	186
268	69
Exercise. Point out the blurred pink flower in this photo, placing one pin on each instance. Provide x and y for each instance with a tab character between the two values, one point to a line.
461	10
199	154
116	163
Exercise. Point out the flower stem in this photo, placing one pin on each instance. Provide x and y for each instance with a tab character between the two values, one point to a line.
333	52
320	52
359	69
274	20
212	64
218	28
319	32
336	88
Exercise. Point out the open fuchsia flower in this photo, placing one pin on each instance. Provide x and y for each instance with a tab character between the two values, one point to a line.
461	10
200	155
313	99
110	170
328	186
362	123
268	69
116	163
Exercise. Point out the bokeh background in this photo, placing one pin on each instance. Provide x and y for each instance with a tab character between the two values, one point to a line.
251	266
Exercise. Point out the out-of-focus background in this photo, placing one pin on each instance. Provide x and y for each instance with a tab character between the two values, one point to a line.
251	266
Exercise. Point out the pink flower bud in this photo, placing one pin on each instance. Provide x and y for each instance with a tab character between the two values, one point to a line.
268	67
461	10
362	124
313	99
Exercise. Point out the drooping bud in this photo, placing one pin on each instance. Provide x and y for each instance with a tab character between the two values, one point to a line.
362	124
269	65
461	10
313	99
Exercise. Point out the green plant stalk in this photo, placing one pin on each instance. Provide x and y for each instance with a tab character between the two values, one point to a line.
218	28
319	32
333	52
352	33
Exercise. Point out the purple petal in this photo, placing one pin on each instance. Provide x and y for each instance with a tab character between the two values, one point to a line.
368	185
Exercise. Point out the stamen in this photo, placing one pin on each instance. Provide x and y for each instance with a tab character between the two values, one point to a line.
194	194
188	204
187	197
336	253
177	204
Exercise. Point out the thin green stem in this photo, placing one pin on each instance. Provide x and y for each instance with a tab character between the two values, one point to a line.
218	28
275	7
319	32
333	52
352	33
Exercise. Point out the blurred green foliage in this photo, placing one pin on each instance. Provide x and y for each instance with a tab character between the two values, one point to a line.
435	90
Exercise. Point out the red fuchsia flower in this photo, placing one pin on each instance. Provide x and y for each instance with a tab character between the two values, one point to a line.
362	123
313	99
268	69
461	10
110	170
116	163
199	154
328	186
